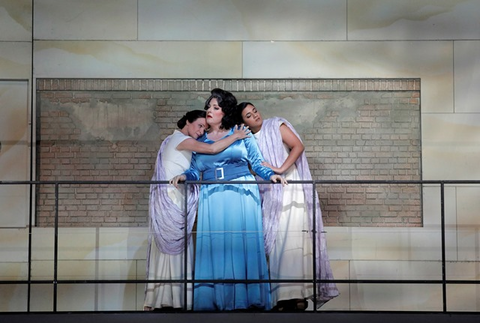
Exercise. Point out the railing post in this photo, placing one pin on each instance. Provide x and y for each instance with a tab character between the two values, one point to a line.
185	250
55	252
314	244
30	235
442	216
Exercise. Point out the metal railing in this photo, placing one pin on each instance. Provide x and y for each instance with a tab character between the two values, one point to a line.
55	282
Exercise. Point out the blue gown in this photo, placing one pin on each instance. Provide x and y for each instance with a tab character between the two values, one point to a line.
229	243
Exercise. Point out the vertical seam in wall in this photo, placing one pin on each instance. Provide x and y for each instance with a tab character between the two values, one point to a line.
32	85
453	76
456	223
137	19
346	20
242	58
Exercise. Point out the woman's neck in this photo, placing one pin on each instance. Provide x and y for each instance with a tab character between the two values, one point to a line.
184	131
255	129
215	132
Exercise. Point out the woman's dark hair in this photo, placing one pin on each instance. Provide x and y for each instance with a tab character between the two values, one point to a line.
190	116
238	111
228	103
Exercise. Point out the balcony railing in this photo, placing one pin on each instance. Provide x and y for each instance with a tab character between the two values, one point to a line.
55	281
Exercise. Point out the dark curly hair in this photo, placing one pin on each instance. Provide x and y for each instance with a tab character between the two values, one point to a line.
190	116
228	103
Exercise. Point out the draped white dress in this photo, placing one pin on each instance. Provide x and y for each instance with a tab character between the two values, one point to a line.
168	266
291	256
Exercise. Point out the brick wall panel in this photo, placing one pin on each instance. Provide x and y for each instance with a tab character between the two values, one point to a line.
361	130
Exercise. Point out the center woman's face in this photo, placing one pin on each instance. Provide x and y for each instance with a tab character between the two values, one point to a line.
214	113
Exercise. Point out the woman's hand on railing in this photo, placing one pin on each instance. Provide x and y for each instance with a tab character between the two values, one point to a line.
179	178
278	179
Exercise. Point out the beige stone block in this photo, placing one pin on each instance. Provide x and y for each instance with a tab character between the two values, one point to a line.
90	243
396	270
13	271
396	297
385	243
450	149
463	297
85	297
104	59
339	303
73	243
432	217
339	243
15	60
41	298
85	269
13	298
468	206
140	296
432	207
123	243
141	268
430	61
86	19
462	270
413	20
14	244
242	20
16	20
340	270
141	274
467	76
468	223
14	153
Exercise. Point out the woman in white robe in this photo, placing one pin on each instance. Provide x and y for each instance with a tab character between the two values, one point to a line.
288	215
166	241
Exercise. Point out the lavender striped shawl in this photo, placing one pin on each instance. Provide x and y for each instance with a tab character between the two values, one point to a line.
167	219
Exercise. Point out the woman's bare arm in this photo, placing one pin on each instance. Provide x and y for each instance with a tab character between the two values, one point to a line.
239	132
296	149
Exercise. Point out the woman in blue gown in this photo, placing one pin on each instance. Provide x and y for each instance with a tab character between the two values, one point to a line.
229	243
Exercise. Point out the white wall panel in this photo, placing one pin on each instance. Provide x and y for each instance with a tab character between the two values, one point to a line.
450	146
14	153
467	76
15	20
469	223
430	61
242	20
85	20
88	59
413	19
15	60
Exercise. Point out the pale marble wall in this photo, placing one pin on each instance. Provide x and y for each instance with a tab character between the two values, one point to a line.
437	41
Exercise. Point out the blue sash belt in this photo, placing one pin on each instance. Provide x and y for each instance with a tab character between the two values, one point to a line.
226	173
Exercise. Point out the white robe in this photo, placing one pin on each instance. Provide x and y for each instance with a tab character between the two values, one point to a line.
162	265
291	256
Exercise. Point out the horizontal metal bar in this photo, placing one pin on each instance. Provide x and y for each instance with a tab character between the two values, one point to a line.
239	281
132	182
